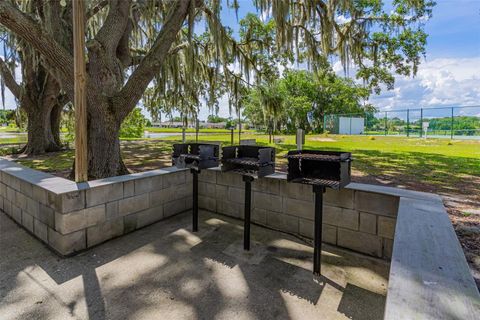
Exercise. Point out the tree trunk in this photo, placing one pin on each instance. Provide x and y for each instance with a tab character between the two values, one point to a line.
55	119
41	137
104	156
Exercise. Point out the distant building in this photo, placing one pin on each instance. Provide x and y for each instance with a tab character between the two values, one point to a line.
345	125
191	124
217	125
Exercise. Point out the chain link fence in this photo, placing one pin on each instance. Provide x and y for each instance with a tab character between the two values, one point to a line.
459	122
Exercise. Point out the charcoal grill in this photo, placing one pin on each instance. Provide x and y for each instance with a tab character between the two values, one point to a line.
252	162
196	156
321	169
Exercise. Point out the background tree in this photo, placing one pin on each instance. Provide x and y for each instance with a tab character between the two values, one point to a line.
216	119
7	116
38	94
134	125
300	99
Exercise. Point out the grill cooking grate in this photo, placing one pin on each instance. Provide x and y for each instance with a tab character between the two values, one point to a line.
246	162
319	182
318	157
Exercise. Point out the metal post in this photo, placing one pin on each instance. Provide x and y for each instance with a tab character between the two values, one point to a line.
385	123
300	139
421	122
408	123
317	246
451	126
195	199
248	199
239	127
197	127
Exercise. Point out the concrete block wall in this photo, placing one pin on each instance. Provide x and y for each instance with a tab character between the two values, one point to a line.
70	217
355	218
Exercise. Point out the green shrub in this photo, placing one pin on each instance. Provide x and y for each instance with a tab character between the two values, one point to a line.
134	125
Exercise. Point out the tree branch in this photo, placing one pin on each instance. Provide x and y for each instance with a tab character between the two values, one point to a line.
135	60
175	49
133	90
10	82
114	26
57	58
95	9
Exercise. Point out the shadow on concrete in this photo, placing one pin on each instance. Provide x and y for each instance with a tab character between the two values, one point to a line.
166	271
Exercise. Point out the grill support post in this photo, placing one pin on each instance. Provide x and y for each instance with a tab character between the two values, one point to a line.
317	249
248	205
195	173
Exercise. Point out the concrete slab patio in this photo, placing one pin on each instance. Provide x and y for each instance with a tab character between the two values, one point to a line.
164	271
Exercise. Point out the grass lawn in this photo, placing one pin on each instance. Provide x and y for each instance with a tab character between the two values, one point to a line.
8	129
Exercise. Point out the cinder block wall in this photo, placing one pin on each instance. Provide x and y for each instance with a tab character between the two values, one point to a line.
70	217
354	219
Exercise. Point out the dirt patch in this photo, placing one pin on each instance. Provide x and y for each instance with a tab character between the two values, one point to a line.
467	227
322	139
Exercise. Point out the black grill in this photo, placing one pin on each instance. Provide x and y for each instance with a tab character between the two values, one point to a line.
251	162
254	161
322	169
195	155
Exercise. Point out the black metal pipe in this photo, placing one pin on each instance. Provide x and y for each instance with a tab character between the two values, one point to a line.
195	199
317	245
248	204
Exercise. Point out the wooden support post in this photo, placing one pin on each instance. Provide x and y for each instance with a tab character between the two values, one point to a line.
80	99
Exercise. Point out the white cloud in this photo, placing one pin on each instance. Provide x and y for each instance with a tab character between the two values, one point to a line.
439	82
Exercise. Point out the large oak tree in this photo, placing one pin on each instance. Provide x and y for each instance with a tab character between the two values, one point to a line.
132	43
38	95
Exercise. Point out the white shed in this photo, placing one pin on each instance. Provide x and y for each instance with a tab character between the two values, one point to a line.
350	125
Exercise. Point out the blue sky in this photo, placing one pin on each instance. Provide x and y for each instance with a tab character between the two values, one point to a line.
449	75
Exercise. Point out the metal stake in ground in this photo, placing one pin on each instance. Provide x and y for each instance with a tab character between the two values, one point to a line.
248	205
195	173
317	246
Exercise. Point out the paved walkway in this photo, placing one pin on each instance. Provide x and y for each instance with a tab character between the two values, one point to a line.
166	272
